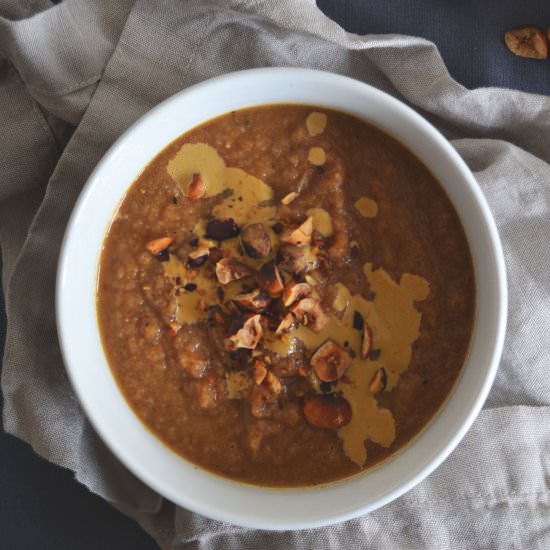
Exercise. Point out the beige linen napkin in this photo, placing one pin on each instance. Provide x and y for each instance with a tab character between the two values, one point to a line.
74	76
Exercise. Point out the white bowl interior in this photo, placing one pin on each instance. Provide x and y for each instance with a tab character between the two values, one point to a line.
109	413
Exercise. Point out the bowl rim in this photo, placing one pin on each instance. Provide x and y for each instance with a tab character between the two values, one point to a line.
416	475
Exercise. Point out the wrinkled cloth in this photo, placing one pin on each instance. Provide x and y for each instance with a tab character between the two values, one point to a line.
73	77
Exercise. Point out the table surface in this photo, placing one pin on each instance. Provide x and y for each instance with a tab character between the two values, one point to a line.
41	506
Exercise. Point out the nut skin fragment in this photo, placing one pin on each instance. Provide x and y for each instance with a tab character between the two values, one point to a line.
330	362
222	229
366	342
256	240
197	188
527	42
156	246
309	312
249	335
292	259
295	291
328	412
379	381
270	279
256	300
301	235
229	269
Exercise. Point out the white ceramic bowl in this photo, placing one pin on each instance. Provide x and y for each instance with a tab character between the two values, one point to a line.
86	364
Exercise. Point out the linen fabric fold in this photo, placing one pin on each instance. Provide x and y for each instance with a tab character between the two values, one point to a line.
74	76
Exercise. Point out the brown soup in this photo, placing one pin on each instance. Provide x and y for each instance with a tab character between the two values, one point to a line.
286	295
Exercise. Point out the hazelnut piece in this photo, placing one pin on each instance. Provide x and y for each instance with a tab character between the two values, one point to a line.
249	335
270	279
256	240
256	300
328	412
295	291
197	188
221	229
309	312
366	342
527	42
229	269
292	259
379	381
299	236
330	362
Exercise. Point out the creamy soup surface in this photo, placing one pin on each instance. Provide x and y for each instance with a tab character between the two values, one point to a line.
286	296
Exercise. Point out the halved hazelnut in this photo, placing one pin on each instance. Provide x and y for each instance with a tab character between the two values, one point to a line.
309	312
197	188
366	343
330	362
273	383
249	335
156	246
300	235
292	259
270	279
222	229
286	324
379	381
256	240
527	42
229	270
257	300
328	412
295	291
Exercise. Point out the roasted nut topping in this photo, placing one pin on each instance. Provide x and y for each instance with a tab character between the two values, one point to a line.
295	291
229	269
309	312
527	42
249	335
328	412
256	300
256	240
287	199
273	383
286	324
366	343
379	381
222	229
270	280
156	246
299	236
292	259
199	255
330	362
260	372
197	188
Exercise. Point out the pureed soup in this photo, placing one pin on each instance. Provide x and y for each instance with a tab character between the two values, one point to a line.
286	295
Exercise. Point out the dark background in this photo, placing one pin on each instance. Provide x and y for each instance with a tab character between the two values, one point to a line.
41	506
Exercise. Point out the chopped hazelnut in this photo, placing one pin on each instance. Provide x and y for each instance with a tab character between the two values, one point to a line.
379	381
309	312
287	199
229	269
249	335
270	280
295	291
260	373
527	42
330	362
299	236
292	259
256	300
286	324
366	343
256	240
197	188
156	246
273	383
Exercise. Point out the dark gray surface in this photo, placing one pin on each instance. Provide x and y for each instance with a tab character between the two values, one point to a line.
41	506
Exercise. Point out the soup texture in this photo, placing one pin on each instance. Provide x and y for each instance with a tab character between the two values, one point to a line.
286	295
